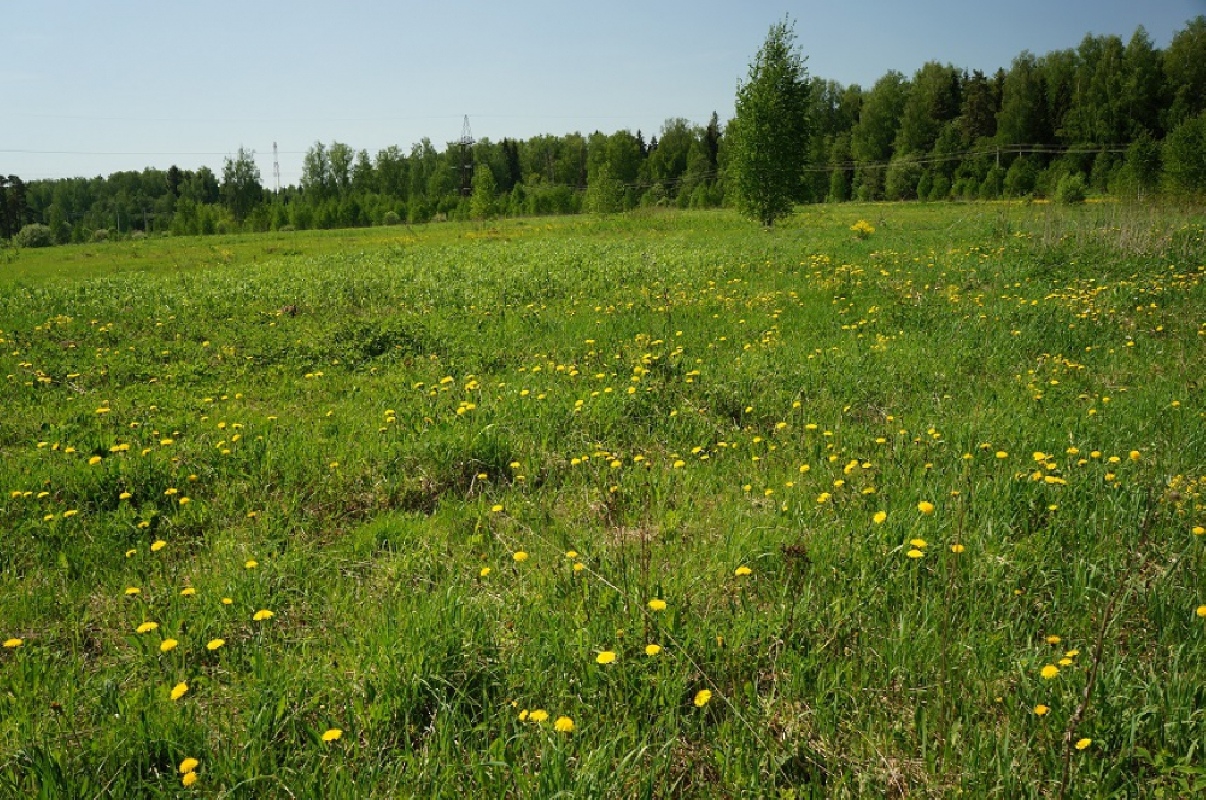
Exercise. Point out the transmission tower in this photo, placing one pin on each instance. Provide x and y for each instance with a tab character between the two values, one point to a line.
466	159
276	168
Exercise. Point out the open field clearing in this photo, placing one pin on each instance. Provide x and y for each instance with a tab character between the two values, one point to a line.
644	506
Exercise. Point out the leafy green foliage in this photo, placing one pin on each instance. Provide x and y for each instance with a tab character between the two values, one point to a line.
769	136
34	235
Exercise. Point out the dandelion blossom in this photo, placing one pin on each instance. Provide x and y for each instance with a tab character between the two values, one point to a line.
179	690
918	542
168	645
1081	744
1198	530
332	735
1053	639
652	649
1041	710
520	556
702	697
925	507
158	545
742	571
957	548
484	572
252	564
563	725
1201	612
188	765
188	591
13	642
538	716
131	590
147	627
914	553
879	517
1049	671
214	644
189	779
657	604
262	615
606	657
571	554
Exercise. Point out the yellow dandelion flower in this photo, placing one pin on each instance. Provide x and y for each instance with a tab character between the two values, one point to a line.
1201	612
571	554
879	517
94	461
652	649
520	556
497	507
563	725
179	690
167	645
914	553
214	644
332	735
188	765
188	591
131	553
171	491
702	697
742	571
158	545
1072	653
262	615
1002	454
13	642
227	601
1198	530
147	627
606	657
484	572
1049	671
70	513
579	567
131	590
124	496
251	564
918	542
1053	639
925	507
1081	744
1041	710
657	604
189	779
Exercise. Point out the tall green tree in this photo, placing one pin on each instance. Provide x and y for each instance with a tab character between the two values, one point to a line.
769	136
482	204
241	187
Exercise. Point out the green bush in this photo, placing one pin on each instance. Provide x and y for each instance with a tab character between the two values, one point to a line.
391	218
34	235
100	235
1070	190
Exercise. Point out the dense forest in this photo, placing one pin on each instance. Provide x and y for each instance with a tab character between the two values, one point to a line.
1108	117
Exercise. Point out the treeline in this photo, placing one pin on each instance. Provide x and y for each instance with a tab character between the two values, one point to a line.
1109	116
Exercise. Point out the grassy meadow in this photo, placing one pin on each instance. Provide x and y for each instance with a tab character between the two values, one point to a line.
656	505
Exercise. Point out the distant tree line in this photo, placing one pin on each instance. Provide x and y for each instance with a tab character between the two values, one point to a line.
1124	118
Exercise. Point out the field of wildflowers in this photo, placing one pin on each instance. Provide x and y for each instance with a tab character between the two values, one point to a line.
891	501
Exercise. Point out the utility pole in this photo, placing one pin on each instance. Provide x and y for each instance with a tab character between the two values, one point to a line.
276	168
466	159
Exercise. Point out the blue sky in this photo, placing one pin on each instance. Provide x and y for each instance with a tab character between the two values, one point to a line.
124	85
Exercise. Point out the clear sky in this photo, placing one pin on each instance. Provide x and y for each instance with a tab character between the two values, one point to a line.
129	84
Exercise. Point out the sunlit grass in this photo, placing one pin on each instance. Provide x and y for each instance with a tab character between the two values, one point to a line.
659	505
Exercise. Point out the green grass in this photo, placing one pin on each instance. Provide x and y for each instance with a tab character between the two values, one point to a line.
382	419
